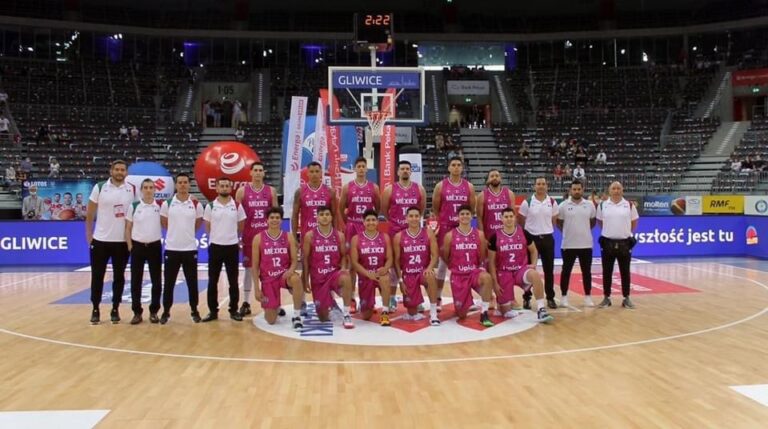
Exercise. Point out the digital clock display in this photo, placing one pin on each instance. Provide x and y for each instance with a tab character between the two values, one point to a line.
373	27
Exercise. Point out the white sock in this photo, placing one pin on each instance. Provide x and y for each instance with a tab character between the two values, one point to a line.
296	313
433	310
484	306
247	286
541	303
344	310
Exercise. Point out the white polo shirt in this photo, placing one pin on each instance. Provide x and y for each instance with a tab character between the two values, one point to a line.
113	203
223	220
617	218
538	215
181	216
576	217
146	222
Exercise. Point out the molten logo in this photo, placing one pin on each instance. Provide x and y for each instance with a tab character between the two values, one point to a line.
231	163
159	185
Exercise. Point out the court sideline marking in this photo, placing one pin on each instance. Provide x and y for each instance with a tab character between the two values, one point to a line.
420	361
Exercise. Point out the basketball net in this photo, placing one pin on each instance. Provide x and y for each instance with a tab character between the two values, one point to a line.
376	120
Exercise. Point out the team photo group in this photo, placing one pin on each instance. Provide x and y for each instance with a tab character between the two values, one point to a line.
336	248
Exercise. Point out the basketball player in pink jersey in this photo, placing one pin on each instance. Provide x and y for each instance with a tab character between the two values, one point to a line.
357	197
275	260
308	198
450	194
491	202
395	201
256	198
509	264
325	265
371	257
416	256
464	248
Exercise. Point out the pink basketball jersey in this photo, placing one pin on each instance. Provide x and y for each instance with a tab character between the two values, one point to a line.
452	197
275	256
326	258
399	201
256	203
311	200
415	253
465	252
511	250
493	204
371	252
359	199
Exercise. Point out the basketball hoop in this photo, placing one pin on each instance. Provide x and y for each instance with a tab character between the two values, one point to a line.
377	119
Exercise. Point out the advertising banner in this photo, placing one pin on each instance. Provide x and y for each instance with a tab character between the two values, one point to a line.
723	204
293	142
756	205
693	205
662	205
756	236
467	87
62	199
750	77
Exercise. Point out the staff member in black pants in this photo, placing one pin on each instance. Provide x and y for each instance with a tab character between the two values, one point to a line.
143	234
618	219
576	218
538	214
224	220
181	216
108	203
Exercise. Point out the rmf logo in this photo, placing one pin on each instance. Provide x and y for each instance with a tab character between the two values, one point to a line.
719	203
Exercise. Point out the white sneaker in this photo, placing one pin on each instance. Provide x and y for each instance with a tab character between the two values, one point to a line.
511	314
564	302
406	316
475	306
497	313
588	301
417	317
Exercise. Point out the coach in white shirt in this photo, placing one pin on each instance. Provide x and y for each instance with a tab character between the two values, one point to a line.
143	234
108	203
618	219
182	216
576	218
538	214
224	220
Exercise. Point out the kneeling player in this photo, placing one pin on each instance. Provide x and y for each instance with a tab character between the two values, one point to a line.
416	256
325	264
371	254
274	263
465	250
508	263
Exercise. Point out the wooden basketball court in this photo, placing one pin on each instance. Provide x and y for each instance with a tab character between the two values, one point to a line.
669	363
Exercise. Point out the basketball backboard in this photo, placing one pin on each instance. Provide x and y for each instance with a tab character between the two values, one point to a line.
358	91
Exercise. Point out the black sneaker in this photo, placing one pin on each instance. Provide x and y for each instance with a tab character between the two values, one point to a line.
114	316
210	317
234	315
95	316
153	318
136	319
245	309
485	320
527	303
164	318
606	302
543	316
196	317
281	312
551	304
297	325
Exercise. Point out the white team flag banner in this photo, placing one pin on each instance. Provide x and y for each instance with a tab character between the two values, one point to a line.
292	176
320	148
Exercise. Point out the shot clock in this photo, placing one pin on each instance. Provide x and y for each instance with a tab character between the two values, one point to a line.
373	28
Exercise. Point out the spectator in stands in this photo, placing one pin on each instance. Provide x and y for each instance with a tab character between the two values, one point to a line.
10	176
5	127
42	134
579	173
439	141
449	143
123	132
562	149
240	134
454	116
581	156
553	145
567	171
237	111
207	114
601	158
747	165
735	164
525	153
26	168
55	168
32	205
559	172
134	133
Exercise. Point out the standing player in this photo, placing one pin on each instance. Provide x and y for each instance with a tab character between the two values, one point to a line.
256	198
416	256
395	201
325	265
275	259
371	255
538	215
224	219
491	202
576	218
309	198
108	203
181	216
464	248
143	234
450	194
357	197
509	250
